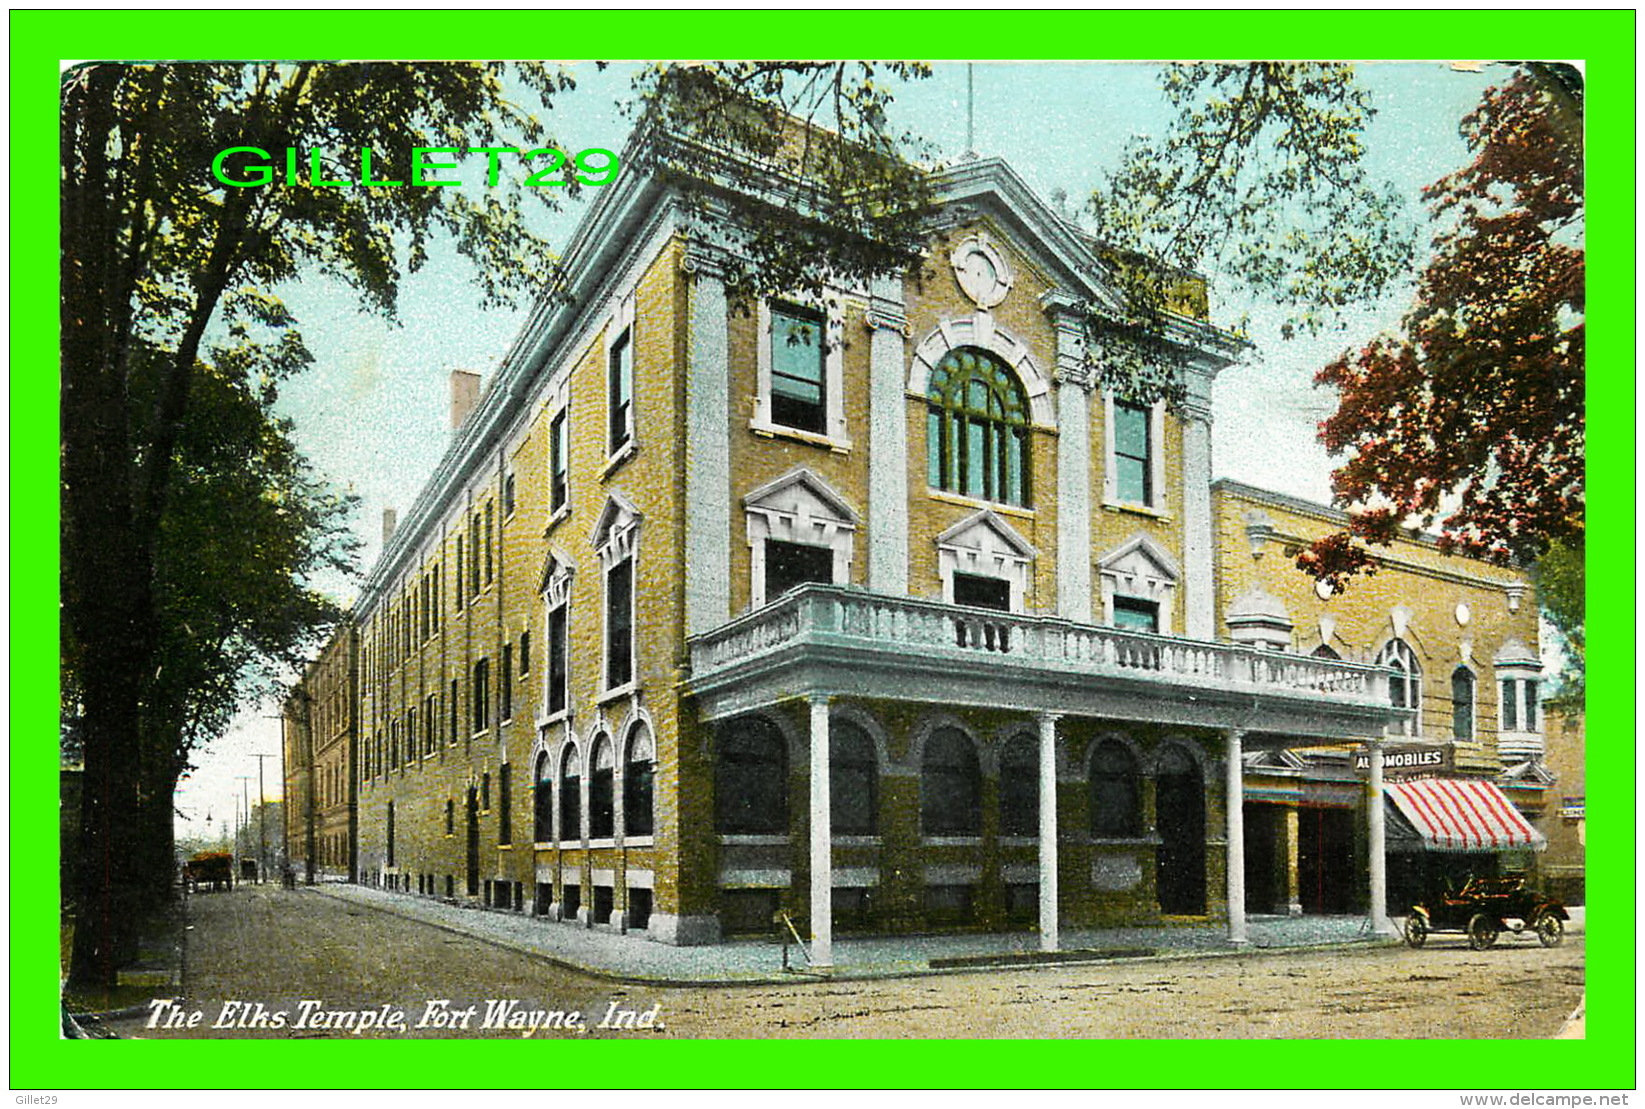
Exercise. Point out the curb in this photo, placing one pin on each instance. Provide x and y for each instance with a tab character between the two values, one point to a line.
1363	944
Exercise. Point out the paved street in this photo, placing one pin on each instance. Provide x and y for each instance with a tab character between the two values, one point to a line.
323	966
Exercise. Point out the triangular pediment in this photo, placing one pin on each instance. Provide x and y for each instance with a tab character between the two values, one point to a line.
803	495
556	569
618	515
987	531
1140	557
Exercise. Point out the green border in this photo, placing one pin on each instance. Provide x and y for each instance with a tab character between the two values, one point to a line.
1604	40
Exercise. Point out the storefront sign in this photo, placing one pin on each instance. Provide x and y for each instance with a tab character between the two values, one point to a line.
1408	762
1573	808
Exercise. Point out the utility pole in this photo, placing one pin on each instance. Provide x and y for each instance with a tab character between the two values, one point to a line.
245	802
262	817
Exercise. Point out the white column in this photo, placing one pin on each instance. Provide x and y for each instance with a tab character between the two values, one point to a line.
1048	832
707	455
1196	527
1073	501
1377	835
1235	809
887	441
822	841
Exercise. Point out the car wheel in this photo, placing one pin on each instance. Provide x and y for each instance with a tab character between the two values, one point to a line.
1416	930
1482	931
1550	930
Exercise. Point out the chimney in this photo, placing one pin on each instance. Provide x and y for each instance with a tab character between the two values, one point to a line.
390	518
465	390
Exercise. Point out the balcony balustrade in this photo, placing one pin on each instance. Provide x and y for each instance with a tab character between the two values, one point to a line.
886	644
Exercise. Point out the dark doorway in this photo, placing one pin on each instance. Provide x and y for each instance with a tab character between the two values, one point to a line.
1325	860
473	817
1264	864
1179	794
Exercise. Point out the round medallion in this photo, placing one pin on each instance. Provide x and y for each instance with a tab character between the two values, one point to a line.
1463	614
1322	590
981	271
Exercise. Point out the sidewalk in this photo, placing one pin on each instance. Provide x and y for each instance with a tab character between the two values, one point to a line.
755	961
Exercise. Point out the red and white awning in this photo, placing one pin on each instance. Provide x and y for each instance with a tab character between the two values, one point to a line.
1464	814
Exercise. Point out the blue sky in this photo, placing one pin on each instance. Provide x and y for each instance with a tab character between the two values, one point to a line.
371	414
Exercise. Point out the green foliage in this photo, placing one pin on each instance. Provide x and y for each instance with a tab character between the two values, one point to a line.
1561	588
1259	179
791	169
189	524
1472	418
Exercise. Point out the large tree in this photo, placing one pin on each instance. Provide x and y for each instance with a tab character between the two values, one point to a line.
1470	421
1259	181
159	255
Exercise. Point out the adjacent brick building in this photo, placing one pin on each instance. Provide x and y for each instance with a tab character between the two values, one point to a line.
683	550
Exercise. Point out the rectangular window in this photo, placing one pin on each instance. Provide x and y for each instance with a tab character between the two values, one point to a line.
620	397
1510	706
482	695
454	713
485	793
799	383
982	592
1133	467
1532	692
505	814
457	586
508	495
556	660
525	653
788	565
489	513
507	683
558	454
474	555
619	624
1136	615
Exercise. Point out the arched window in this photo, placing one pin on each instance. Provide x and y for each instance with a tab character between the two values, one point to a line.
1405	686
571	797
950	785
1116	792
1462	704
977	428
639	777
542	802
602	814
751	779
853	780
1020	787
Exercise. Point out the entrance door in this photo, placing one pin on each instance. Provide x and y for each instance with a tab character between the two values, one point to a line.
1325	860
473	807
1179	796
1264	867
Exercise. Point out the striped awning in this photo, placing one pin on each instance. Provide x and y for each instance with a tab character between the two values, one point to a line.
1463	814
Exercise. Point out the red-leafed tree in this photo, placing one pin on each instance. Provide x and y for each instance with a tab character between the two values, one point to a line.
1471	419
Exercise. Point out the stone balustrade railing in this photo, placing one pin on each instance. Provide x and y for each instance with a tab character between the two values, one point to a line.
848	616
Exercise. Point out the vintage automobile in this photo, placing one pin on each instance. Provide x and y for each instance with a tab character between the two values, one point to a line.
209	870
1483	908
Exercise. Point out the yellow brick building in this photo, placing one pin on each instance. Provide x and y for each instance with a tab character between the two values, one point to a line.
682	551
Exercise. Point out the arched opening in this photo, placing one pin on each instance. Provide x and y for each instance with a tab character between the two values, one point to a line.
977	428
1115	793
751	778
639	783
853	780
1179	794
571	796
602	811
950	785
1020	787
